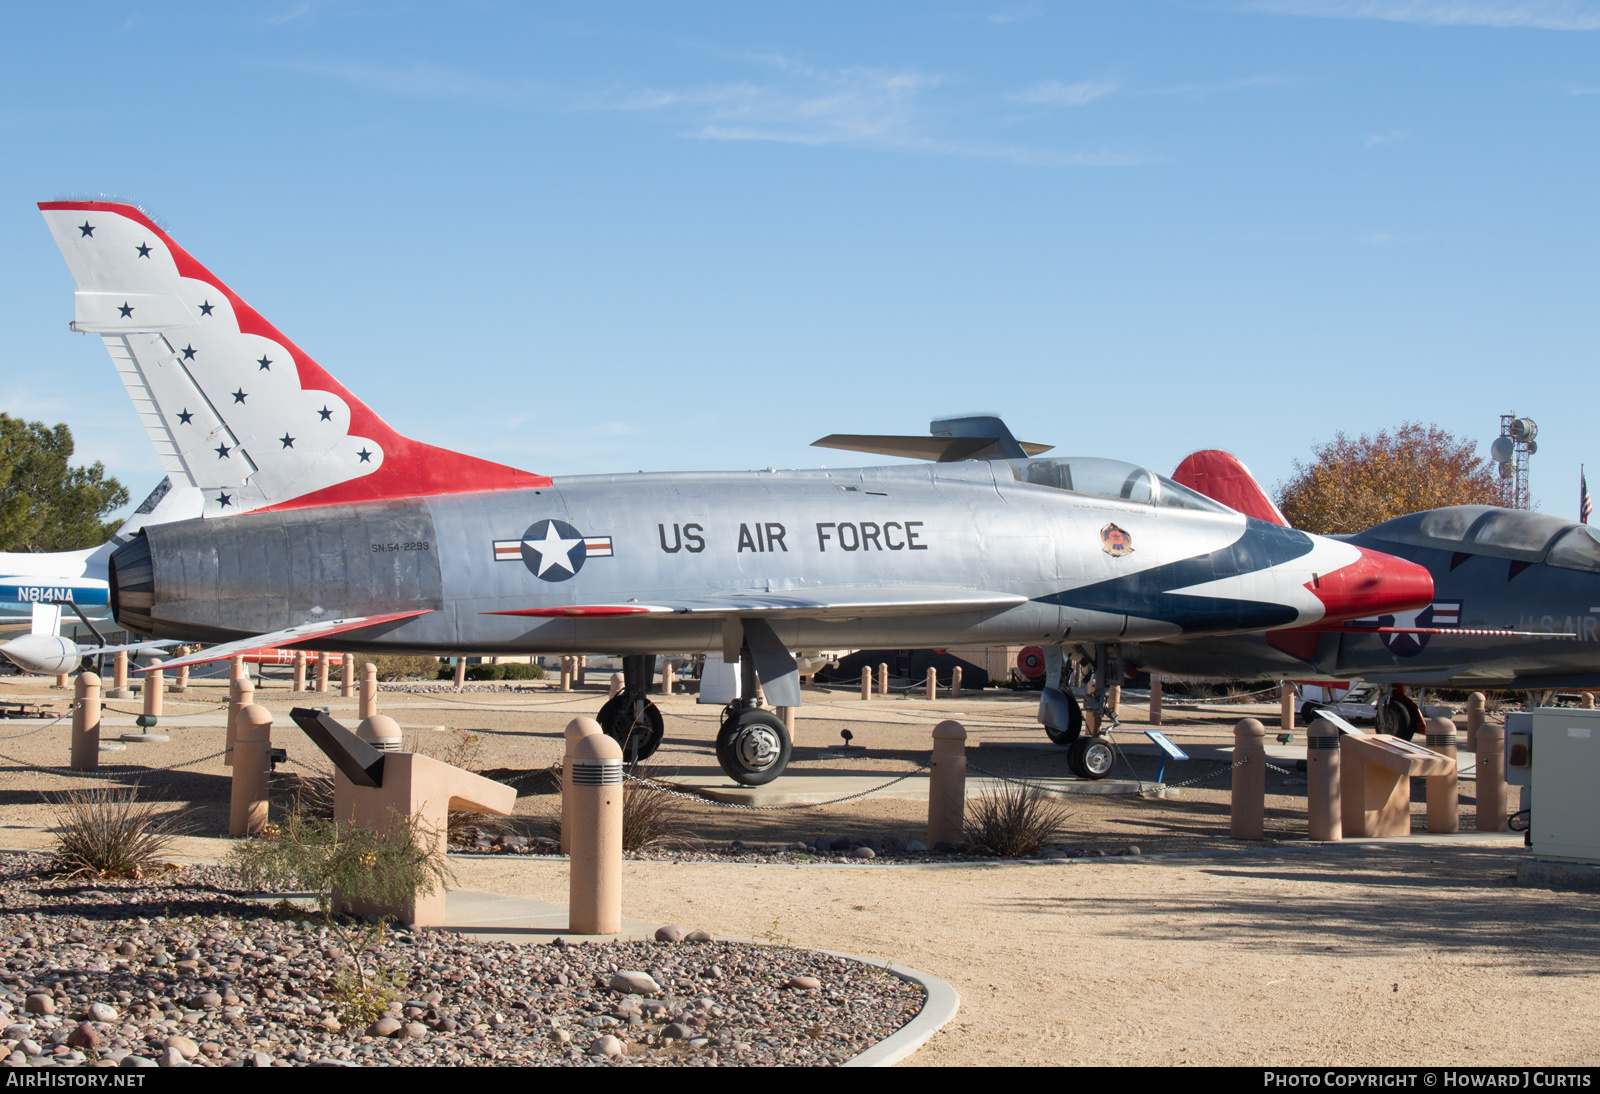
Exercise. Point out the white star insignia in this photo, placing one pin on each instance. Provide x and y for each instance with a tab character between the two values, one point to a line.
553	550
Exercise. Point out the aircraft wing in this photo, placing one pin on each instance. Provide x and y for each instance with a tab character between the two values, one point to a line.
853	603
305	632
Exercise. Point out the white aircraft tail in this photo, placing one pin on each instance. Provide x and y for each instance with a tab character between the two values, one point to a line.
234	408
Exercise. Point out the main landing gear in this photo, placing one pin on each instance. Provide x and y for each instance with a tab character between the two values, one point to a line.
629	717
753	745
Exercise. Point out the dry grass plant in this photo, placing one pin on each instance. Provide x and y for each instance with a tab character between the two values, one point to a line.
108	832
401	666
1016	822
651	817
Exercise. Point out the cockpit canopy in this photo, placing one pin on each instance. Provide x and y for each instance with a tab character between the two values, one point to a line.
1104	478
1498	533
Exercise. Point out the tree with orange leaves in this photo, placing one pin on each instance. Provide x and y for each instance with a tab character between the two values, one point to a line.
1350	485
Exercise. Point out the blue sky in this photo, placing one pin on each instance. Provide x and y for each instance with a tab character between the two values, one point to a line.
603	237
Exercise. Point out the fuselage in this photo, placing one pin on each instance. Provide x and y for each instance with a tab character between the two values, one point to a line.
1493	569
1091	568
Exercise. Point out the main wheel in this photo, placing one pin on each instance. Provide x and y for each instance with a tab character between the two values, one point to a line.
639	742
1090	757
753	747
1074	723
1309	713
1403	717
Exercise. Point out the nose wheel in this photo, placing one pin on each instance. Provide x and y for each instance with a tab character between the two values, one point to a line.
753	746
1090	757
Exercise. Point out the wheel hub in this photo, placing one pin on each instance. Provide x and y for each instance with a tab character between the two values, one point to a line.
757	747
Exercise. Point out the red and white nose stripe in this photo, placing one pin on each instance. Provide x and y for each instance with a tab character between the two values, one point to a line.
1375	584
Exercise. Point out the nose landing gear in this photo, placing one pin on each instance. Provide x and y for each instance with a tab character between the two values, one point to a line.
629	717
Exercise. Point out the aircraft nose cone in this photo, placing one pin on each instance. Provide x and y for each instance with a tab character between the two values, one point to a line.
1375	584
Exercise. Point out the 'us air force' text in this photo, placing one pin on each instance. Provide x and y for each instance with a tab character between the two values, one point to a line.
771	536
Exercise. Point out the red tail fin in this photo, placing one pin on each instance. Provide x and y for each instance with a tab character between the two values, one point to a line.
1220	476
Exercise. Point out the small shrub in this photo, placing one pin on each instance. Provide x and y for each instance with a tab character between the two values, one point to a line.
1016	822
504	672
651	817
108	832
402	666
361	865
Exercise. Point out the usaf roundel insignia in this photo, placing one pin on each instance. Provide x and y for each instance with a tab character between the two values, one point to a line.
1115	541
552	550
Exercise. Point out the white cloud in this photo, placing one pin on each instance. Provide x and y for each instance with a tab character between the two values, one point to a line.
1535	14
1388	136
1055	93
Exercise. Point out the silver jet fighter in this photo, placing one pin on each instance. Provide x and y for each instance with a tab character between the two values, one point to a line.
324	528
1516	605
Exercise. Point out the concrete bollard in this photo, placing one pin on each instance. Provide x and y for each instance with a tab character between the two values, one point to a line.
461	672
883	678
347	676
1444	814
252	766
580	670
1324	803
566	674
119	677
155	687
932	685
1587	702
236	669
1491	787
787	714
594	898
1113	701
955	682
86	723
866	684
1155	698
947	783
578	727
299	671
322	673
666	677
61	680
1248	815
615	685
241	693
1286	706
1475	705
367	706
381	732
181	684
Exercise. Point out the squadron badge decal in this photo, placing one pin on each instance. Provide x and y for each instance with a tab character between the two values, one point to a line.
552	550
1115	541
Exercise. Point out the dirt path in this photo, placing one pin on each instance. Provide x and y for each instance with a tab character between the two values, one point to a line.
1396	956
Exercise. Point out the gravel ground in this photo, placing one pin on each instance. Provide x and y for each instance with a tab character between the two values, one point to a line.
184	968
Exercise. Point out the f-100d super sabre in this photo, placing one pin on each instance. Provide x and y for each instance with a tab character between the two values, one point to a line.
1516	605
319	520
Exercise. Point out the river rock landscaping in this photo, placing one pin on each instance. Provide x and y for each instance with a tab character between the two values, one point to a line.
184	969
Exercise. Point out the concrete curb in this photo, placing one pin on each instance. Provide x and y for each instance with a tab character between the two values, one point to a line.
941	1005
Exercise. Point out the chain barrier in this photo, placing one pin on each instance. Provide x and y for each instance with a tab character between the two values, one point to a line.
1175	700
674	791
1143	789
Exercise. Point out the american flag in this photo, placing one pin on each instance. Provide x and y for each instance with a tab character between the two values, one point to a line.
1585	503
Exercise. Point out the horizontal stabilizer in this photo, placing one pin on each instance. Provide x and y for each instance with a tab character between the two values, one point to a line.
937	449
833	604
305	632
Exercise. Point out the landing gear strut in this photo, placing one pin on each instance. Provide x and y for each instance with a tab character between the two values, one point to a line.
753	745
629	717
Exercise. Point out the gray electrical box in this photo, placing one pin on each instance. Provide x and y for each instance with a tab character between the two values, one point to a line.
1566	776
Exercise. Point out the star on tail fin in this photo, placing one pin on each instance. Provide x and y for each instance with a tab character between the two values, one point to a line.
234	408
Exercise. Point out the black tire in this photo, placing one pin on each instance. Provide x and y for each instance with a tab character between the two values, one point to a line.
1404	718
753	747
1090	757
1309	713
1074	723
616	720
